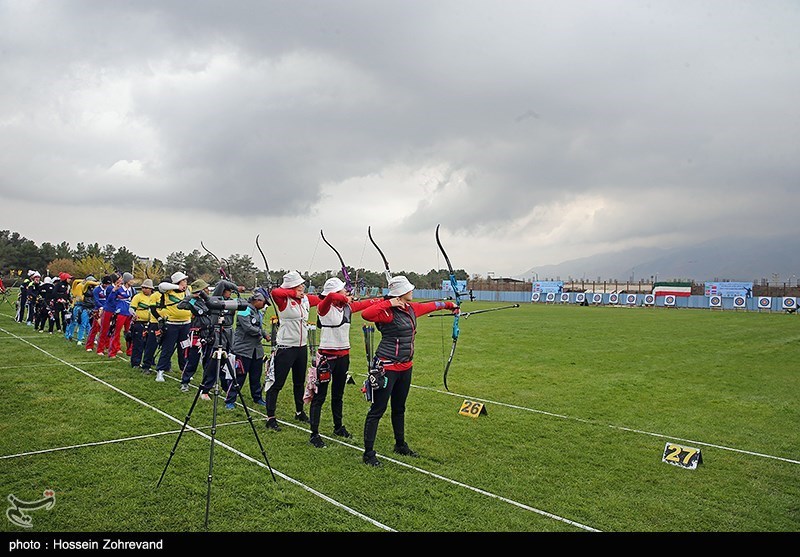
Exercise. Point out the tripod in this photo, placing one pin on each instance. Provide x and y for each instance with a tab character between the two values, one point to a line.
220	356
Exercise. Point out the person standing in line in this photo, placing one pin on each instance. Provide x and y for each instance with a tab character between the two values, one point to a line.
140	306
177	321
31	294
249	351
84	308
76	296
396	319
108	317
291	349
204	321
22	301
334	314
122	294
43	304
199	329
61	298
152	335
99	301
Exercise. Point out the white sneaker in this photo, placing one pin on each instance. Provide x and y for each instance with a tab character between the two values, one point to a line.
89	349
160	376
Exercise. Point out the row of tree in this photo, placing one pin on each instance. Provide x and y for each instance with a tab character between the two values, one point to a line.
18	254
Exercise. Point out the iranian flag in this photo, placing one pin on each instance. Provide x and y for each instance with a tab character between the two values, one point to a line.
679	289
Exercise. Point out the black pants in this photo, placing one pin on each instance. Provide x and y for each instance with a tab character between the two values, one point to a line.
22	303
42	314
150	347
58	316
139	331
296	359
210	370
173	334
252	367
339	367
31	305
396	389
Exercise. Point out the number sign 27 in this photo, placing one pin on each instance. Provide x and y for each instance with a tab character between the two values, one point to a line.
472	409
685	457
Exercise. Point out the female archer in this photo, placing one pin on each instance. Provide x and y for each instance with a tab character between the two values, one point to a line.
396	319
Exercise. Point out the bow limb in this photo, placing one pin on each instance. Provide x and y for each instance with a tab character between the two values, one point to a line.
387	272
267	279
348	284
457	295
222	272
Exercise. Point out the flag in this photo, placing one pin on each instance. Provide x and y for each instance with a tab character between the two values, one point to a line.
678	289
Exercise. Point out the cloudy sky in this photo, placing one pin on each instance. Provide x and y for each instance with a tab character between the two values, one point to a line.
532	131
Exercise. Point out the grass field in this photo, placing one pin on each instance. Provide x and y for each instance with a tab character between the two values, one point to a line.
581	402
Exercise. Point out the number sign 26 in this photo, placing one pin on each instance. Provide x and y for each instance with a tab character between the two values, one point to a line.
472	409
685	457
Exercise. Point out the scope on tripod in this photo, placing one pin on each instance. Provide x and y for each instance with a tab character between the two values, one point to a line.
221	304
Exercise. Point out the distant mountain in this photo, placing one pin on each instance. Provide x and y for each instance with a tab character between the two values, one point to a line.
776	260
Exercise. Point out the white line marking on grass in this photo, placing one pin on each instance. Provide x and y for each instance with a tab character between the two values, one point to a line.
621	428
109	441
432	474
208	437
28	366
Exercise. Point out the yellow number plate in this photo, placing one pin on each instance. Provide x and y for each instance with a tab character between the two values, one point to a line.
685	457
472	409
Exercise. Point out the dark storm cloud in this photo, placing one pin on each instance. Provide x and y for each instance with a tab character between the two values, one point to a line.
617	119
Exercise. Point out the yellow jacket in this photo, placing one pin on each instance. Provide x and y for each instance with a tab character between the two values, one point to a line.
140	304
167	303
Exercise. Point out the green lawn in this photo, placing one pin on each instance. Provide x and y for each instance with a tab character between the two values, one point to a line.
581	402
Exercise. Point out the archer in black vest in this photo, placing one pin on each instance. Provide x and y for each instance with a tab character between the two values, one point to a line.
396	319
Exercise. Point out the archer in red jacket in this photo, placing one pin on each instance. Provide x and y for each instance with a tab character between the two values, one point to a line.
396	319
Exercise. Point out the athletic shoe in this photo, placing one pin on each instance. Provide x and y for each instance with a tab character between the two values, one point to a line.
147	372
204	396
404	450
80	343
372	461
272	424
342	432
90	349
317	441
301	417
160	376
261	402
230	405
184	387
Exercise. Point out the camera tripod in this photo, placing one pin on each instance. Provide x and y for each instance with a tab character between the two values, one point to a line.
220	356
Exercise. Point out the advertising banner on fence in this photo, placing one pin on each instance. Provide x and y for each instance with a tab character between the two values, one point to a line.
548	286
447	288
729	289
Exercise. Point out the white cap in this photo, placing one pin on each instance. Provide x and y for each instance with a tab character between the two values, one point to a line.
333	284
36	274
48	280
292	279
399	285
179	276
30	272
